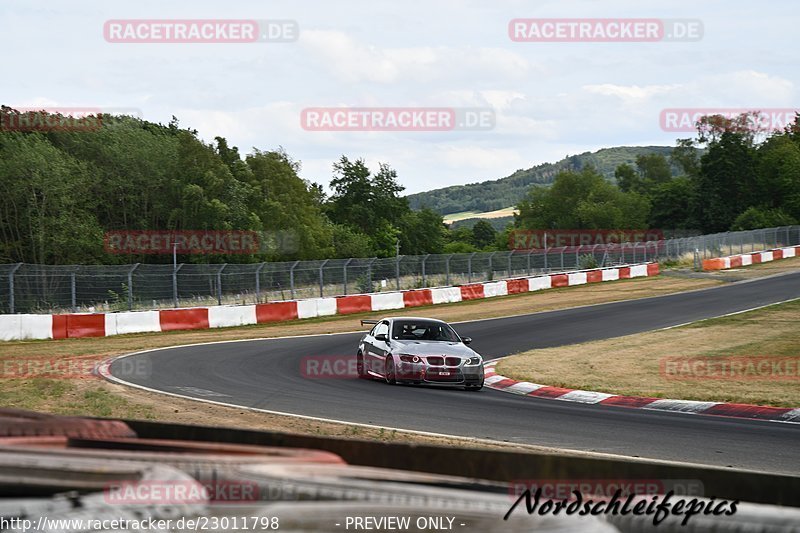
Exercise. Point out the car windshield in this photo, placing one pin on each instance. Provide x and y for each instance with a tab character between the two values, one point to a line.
423	330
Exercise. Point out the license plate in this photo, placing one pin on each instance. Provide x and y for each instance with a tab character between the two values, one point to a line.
444	373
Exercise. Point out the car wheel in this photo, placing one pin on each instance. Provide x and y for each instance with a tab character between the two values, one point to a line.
389	373
473	387
360	366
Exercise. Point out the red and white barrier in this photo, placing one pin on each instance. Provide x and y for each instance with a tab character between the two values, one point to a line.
736	261
20	327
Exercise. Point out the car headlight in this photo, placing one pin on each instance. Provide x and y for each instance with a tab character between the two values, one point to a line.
473	361
410	359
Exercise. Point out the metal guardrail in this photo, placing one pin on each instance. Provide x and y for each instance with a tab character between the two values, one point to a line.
30	288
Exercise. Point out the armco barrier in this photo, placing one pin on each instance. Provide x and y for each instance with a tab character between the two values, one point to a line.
754	258
174	319
36	327
386	301
224	316
10	327
276	312
133	322
17	327
497	288
472	292
594	276
360	303
417	298
79	325
540	283
446	295
517	286
307	308
578	278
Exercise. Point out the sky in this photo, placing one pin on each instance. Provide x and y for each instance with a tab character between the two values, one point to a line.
548	99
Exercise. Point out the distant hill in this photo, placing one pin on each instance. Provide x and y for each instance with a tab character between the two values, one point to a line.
506	192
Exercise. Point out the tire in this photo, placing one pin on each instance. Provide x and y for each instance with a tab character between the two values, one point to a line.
389	372
473	387
362	374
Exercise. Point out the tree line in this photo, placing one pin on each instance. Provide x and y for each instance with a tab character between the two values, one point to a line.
62	189
744	179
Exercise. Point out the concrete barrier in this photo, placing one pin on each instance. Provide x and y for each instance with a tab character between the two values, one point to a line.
15	327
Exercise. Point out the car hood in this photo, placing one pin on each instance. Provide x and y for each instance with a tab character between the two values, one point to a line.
432	348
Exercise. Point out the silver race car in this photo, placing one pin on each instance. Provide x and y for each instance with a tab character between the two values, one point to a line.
418	350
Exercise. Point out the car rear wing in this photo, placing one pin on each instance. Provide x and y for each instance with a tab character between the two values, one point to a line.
370	322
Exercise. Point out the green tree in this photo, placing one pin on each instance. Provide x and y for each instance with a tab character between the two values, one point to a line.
371	204
726	182
582	200
627	179
654	169
761	217
483	234
422	232
672	204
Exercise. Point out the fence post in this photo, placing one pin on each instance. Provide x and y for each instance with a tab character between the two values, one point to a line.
321	276
529	261
491	266
469	267
369	272
562	258
11	287
424	259
74	300
258	282
130	286
397	270
291	279
344	274
219	284
510	255
447	270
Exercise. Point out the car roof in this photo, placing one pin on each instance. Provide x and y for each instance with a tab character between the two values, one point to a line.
392	318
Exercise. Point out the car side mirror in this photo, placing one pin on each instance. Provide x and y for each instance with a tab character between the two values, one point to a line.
466	340
381	337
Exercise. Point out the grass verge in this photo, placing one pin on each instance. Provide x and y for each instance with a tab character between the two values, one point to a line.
652	364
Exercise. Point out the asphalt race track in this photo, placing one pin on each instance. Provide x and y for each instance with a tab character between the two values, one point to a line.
265	374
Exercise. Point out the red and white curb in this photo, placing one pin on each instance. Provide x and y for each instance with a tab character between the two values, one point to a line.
494	380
